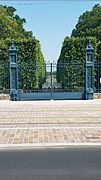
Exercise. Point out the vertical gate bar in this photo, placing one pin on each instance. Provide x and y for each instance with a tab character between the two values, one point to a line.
98	77
51	80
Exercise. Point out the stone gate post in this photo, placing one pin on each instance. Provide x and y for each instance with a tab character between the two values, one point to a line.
89	71
13	72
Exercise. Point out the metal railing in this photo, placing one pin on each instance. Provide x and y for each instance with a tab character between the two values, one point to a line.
70	78
4	78
97	77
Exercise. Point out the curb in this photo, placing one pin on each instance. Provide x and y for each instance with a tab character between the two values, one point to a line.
48	145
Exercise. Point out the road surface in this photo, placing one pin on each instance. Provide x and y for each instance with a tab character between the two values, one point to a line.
71	163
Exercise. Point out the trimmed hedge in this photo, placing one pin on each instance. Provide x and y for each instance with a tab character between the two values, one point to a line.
70	65
31	63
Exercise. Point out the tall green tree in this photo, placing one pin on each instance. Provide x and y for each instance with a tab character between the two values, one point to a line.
31	63
89	24
11	25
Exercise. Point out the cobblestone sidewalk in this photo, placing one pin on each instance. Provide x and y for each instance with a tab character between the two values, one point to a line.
49	123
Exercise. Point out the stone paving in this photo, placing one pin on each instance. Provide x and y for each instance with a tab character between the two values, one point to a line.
50	123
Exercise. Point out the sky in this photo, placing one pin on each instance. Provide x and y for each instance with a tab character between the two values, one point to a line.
51	21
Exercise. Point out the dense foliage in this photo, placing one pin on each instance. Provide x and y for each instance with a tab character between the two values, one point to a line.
70	66
99	51
89	24
30	60
11	25
71	63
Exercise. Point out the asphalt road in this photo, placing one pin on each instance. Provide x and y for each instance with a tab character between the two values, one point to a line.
51	164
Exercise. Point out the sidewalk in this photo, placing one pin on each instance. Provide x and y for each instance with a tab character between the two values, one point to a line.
50	123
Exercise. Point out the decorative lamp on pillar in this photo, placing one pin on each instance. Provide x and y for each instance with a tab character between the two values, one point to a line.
13	72
89	71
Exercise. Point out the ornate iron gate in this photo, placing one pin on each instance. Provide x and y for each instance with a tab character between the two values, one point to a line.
70	80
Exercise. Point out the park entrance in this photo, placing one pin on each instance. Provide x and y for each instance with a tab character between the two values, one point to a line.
67	80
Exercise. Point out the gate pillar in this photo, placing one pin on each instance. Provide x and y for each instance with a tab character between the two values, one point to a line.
13	72
89	71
